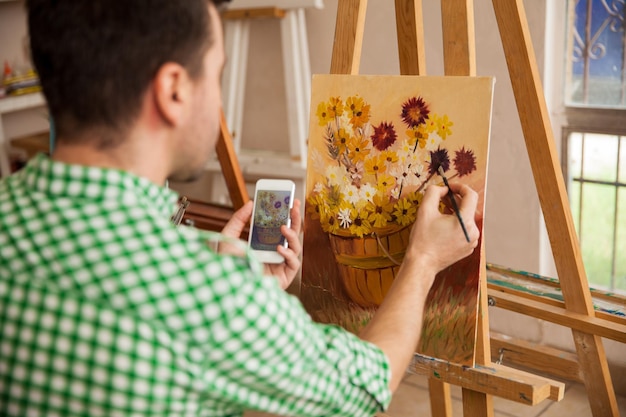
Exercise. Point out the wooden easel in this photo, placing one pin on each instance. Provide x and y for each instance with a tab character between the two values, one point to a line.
459	59
230	166
486	379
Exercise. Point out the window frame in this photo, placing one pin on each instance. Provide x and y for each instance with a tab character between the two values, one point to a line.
571	118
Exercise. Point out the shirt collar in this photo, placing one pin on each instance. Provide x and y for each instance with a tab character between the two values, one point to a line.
97	184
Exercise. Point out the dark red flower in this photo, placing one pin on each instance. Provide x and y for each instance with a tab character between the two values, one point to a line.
464	161
439	158
384	136
414	112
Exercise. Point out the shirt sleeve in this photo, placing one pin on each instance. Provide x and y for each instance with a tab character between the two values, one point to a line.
263	351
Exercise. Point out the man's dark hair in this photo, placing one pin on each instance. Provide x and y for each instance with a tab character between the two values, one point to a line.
96	58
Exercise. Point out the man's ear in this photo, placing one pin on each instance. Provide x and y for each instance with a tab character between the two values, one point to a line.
172	88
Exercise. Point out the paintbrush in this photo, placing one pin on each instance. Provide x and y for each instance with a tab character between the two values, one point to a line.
455	207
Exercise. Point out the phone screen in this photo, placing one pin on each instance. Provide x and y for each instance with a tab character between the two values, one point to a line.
270	212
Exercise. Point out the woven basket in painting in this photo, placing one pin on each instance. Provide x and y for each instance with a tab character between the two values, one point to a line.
268	235
368	264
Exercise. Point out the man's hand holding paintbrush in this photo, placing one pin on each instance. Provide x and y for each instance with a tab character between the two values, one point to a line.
445	230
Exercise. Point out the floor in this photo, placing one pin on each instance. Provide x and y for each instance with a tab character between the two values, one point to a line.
411	400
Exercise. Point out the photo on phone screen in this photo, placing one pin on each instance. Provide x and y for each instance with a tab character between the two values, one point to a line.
273	200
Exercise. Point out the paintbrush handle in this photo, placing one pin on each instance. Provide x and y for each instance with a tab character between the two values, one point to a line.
458	213
455	207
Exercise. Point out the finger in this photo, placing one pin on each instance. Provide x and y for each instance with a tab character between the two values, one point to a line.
292	260
293	240
432	197
467	208
296	218
468	201
237	222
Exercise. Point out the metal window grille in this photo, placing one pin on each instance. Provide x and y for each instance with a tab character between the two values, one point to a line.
594	140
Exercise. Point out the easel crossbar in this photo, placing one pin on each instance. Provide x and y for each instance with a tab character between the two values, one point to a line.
498	380
558	315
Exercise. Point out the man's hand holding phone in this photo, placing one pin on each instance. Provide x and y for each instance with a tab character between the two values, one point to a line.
275	228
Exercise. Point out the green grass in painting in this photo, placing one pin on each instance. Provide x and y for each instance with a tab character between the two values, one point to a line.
449	322
449	329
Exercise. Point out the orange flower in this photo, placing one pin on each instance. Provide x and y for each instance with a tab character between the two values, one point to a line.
357	149
358	111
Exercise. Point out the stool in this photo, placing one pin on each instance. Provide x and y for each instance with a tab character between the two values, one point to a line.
295	61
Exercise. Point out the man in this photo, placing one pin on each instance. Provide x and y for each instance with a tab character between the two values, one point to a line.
106	308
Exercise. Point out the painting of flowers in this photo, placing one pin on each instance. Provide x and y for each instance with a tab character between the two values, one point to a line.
271	212
375	144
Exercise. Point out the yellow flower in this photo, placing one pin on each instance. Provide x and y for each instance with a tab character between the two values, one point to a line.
331	225
375	165
405	211
335	107
343	137
443	127
323	115
357	149
316	207
418	135
380	210
431	123
385	183
390	157
358	111
360	224
415	197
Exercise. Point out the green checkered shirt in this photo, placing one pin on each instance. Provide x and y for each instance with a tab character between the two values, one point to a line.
108	309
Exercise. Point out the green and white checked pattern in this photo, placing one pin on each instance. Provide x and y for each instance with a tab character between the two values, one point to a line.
107	309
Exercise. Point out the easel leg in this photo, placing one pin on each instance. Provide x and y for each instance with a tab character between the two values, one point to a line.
230	166
440	402
595	369
477	404
346	56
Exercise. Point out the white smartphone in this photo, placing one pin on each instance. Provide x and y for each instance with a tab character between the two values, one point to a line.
273	200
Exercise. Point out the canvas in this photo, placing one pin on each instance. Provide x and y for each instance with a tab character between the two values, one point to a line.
375	143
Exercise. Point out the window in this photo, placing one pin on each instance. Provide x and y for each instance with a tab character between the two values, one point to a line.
594	138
